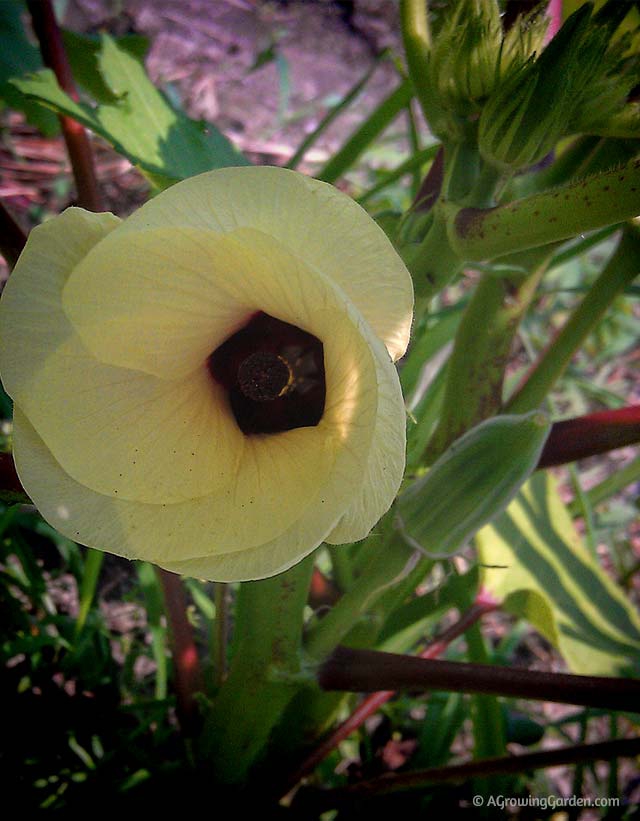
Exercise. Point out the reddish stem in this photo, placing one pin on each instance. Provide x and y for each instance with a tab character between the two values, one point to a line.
371	704
429	191
322	592
11	489
590	435
364	670
12	238
320	800
188	675
78	147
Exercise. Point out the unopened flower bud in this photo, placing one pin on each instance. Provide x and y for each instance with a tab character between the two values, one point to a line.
537	105
471	55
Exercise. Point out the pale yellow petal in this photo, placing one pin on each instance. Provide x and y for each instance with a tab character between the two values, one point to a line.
159	301
119	431
156	532
385	466
31	296
313	220
162	300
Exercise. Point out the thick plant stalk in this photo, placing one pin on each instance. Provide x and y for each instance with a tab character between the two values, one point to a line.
604	199
482	347
368	670
265	674
620	271
75	136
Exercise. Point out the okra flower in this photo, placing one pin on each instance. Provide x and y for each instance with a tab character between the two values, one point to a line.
209	384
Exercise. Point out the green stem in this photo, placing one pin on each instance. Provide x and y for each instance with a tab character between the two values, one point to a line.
387	564
604	199
432	262
262	679
463	168
482	347
488	718
149	578
463	178
416	38
620	271
341	567
413	138
362	138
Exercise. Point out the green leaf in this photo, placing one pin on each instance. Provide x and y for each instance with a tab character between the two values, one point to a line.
83	53
139	122
153	600
535	561
88	586
445	715
18	57
473	481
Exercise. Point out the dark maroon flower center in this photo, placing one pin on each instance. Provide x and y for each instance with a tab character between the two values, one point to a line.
273	373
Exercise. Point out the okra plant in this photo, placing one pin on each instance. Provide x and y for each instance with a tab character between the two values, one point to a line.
322	429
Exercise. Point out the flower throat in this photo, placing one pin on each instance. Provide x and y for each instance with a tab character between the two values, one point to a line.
273	373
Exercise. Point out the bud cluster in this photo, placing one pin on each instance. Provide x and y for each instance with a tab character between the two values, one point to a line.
578	84
471	56
521	98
